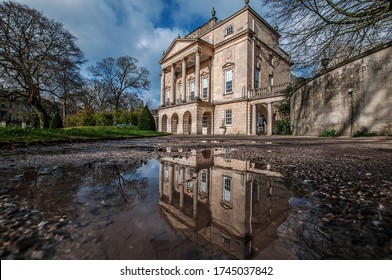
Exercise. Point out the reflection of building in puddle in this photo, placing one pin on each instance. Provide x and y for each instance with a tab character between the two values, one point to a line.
238	206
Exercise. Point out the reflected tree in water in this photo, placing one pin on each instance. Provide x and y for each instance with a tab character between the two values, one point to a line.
117	183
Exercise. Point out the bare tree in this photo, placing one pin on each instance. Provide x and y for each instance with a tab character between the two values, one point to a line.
331	29
122	77
36	53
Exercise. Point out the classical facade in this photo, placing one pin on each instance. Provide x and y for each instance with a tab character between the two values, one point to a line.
223	76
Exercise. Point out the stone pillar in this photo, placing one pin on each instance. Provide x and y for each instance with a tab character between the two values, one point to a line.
197	76
161	176
181	197
173	84
171	183
184	78
254	124
195	196
269	122
163	87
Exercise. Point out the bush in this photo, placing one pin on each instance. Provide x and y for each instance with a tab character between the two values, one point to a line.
146	121
103	119
363	131
283	127
56	122
82	118
328	133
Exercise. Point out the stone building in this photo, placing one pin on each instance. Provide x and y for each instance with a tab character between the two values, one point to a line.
12	112
223	204
223	76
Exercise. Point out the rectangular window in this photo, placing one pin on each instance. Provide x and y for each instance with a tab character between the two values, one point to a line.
166	170
204	122
257	77
229	30
190	183
226	188
203	183
229	81
228	117
167	97
271	80
204	86
192	90
181	92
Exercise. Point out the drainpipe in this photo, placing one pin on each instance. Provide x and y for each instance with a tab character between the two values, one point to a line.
350	92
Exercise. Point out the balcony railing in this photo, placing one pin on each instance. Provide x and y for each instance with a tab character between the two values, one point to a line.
269	91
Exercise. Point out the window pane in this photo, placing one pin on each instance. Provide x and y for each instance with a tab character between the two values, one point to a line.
226	188
229	81
204	82
192	90
228	117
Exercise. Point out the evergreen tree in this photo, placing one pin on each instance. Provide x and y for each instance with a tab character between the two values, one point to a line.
56	122
146	121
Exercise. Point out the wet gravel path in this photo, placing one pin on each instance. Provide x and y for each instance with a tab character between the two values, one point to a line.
348	182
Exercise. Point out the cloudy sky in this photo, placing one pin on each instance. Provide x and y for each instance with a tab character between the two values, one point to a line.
142	29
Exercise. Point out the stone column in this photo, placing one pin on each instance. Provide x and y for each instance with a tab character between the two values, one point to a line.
254	124
184	78
171	183
195	195
181	197
173	84
269	124
197	76
161	176
163	87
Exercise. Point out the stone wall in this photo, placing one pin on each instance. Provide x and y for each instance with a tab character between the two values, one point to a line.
353	96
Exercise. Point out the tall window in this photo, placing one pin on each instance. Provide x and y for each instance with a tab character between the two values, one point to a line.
226	188
204	86
229	81
179	177
166	170
271	80
204	122
191	90
203	183
190	183
167	96
228	118
257	77
181	92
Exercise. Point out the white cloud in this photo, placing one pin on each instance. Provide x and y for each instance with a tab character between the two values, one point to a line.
142	29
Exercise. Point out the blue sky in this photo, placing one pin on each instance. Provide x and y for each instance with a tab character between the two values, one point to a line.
142	29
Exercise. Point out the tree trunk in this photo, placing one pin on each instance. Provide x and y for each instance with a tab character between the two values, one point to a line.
40	110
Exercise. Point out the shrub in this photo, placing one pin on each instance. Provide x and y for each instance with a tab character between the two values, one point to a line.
103	119
328	133
56	122
82	118
283	127
146	121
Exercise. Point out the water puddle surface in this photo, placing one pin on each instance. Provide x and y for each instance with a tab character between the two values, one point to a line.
187	205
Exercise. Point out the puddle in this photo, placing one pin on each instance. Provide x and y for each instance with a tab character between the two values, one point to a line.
201	205
188	204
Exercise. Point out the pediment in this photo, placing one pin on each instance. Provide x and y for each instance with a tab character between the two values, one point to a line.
176	46
227	65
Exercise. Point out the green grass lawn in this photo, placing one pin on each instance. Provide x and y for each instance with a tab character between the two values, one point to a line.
73	133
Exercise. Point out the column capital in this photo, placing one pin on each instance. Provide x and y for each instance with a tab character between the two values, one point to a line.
185	59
